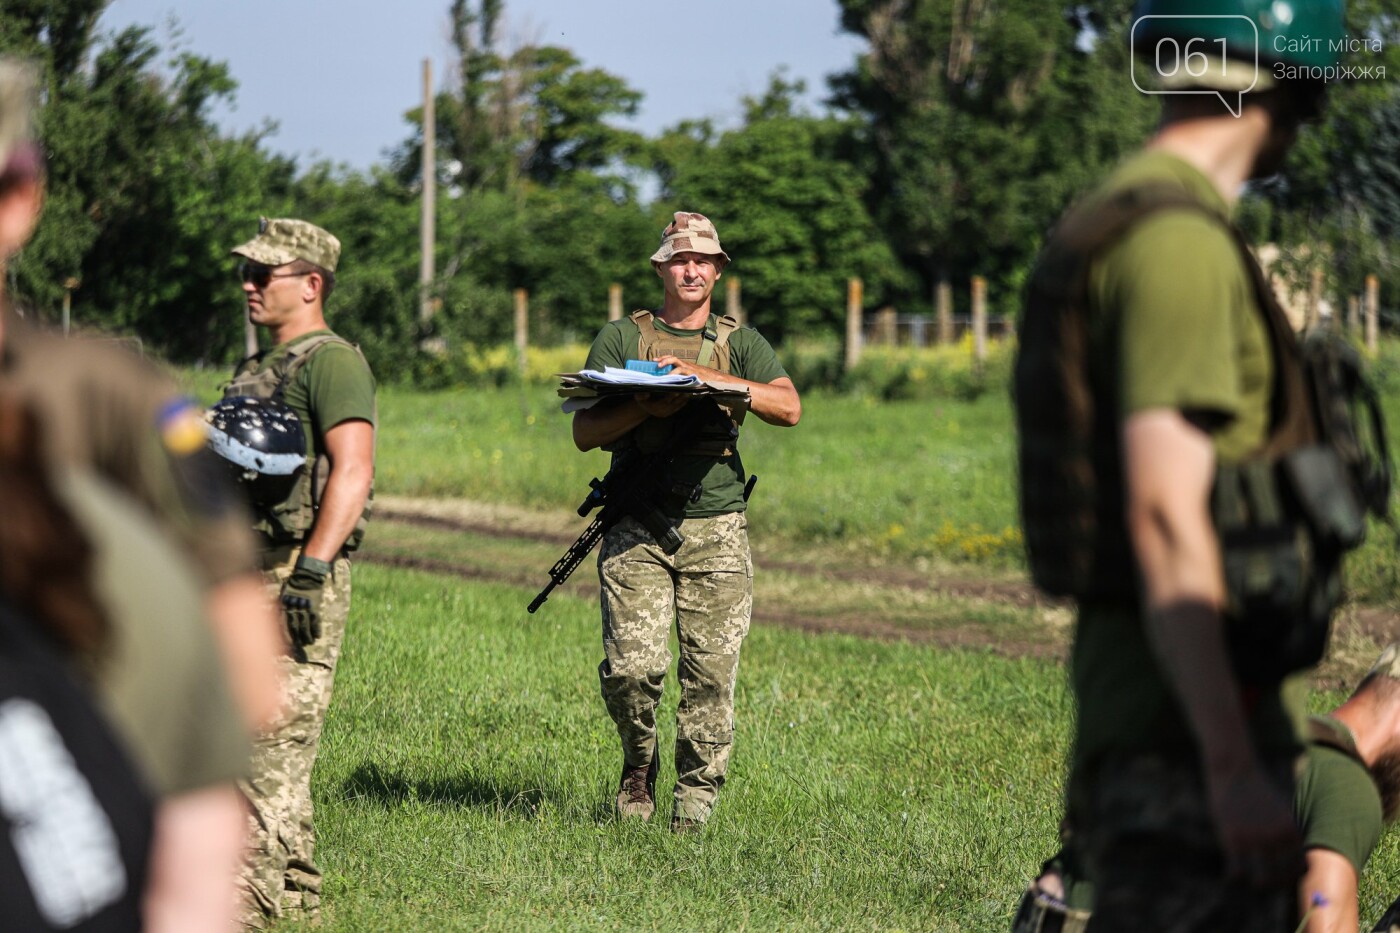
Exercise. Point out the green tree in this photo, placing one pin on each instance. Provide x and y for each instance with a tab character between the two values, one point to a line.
146	196
789	210
981	121
1337	202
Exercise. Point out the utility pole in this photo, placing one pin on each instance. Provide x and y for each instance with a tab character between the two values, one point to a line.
428	233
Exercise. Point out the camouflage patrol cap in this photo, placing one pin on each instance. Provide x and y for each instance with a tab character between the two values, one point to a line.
1388	664
283	240
16	111
689	233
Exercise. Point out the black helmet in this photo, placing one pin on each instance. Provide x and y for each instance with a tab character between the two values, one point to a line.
263	443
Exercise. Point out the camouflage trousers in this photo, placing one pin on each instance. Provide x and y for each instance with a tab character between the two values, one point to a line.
1146	831
706	590
279	874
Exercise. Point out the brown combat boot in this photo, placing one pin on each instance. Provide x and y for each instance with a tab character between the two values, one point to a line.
636	793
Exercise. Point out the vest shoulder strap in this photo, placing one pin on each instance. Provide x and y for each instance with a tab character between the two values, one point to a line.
294	359
643	319
716	337
725	325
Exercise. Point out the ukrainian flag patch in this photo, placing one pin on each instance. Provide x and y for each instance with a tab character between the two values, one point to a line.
182	427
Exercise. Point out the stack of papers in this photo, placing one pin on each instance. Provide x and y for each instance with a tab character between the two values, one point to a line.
612	376
586	388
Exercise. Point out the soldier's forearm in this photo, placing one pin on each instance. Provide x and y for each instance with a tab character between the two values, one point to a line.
775	402
347	491
606	422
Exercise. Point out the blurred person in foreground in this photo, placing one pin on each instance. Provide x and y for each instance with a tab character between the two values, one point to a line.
306	537
1158	388
105	408
119	598
705	589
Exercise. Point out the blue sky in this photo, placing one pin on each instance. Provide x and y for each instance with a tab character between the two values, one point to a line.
338	75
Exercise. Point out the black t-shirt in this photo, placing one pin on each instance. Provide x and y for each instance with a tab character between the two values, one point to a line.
75	821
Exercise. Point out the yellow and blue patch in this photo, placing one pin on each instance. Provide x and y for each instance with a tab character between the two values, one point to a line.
182	427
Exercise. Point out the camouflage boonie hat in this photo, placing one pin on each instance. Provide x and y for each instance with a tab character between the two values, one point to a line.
16	109
1388	664
689	233
283	240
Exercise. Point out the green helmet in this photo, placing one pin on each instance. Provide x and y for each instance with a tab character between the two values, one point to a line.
1304	33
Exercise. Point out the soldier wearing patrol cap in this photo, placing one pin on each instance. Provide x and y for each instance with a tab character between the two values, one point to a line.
706	588
1154	366
288	272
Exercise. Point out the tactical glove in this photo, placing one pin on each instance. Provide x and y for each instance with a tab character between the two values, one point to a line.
301	601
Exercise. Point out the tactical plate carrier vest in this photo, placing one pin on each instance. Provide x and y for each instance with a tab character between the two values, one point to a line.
288	522
720	434
1284	516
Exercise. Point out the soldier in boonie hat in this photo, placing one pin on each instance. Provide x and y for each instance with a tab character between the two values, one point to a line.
703	585
283	240
689	233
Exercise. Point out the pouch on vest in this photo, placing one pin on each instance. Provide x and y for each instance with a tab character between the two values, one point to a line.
1280	586
1287	517
287	522
719	435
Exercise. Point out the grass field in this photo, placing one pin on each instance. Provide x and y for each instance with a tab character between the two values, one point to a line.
889	783
468	767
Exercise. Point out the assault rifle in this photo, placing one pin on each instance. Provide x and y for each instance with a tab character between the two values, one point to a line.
634	486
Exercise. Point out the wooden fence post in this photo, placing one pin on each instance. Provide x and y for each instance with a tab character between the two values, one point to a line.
1373	313
614	302
944	300
522	327
1315	299
886	327
1354	314
733	300
855	295
979	320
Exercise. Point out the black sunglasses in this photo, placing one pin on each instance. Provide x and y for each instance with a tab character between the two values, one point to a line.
260	275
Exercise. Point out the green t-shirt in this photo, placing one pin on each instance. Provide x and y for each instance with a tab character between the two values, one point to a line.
750	357
333	386
1174	320
1337	805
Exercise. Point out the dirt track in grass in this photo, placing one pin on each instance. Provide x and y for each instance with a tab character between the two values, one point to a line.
807	589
